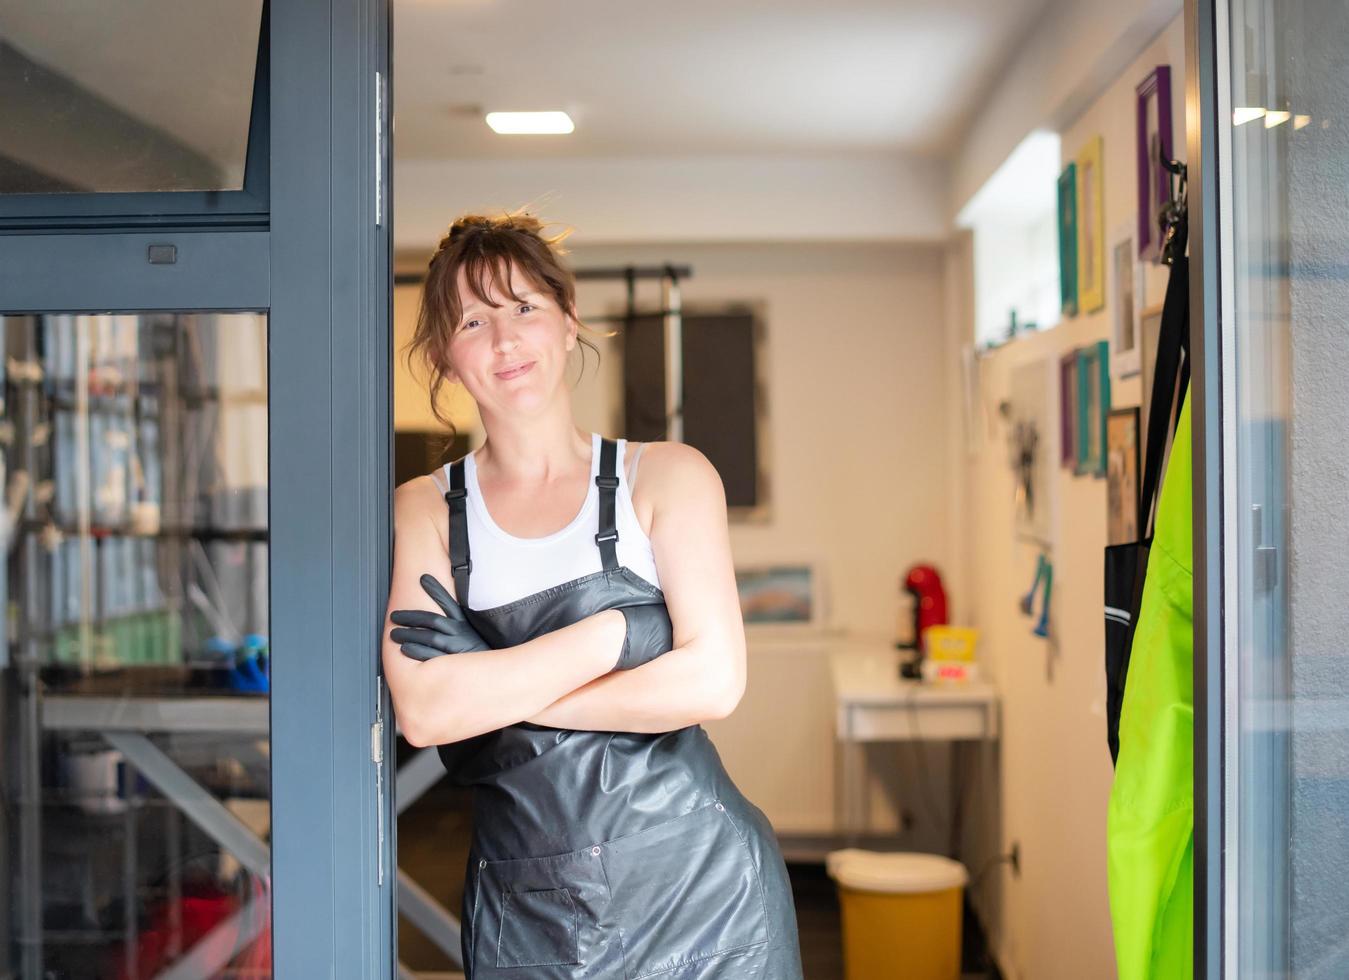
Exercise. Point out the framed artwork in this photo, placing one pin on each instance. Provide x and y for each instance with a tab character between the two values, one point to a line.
1093	397
1090	228
1149	332
1153	125
780	595
1028	415
1068	410
1124	299
1068	240
1122	463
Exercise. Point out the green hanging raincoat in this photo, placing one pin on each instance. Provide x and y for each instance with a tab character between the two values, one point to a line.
1150	835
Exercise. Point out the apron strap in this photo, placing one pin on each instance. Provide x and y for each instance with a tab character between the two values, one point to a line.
456	498
607	481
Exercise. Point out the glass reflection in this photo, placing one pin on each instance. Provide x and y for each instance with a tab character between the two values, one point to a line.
146	96
1290	666
134	688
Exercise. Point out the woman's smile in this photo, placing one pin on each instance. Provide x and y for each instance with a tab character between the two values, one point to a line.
515	372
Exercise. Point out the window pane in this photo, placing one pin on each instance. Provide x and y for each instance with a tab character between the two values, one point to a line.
1290	664
151	95
134	680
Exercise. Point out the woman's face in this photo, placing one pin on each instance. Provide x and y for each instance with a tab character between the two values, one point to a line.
511	355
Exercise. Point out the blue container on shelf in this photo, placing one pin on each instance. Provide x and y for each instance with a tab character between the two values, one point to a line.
250	672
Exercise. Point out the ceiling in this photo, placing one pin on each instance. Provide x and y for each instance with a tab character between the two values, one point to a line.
699	77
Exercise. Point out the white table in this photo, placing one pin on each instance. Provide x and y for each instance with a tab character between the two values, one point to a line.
874	704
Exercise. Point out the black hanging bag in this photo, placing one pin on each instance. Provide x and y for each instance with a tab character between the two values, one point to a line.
1126	564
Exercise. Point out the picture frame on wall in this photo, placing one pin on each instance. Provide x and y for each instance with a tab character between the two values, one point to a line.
1150	335
1093	395
1068	240
1122	476
1028	417
1154	143
1068	410
1090	226
1124	286
780	595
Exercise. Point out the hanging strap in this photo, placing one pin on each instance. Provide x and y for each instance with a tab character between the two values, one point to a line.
1173	365
456	497
607	480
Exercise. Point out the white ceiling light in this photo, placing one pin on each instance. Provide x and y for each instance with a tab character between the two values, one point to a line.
518	123
1245	114
1275	117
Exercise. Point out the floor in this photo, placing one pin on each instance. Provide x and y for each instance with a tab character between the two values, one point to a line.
433	848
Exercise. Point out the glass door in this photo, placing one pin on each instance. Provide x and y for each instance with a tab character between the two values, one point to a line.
194	490
136	676
1274	647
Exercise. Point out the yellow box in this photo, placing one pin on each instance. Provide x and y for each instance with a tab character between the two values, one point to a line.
950	643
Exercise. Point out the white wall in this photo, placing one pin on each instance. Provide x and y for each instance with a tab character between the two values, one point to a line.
707	198
1076	49
1053	776
853	332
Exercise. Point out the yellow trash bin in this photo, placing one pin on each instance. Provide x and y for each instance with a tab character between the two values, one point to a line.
901	914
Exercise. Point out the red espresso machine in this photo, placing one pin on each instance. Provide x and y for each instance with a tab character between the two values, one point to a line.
924	587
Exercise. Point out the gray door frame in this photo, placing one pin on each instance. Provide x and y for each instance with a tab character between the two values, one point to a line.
320	264
1206	45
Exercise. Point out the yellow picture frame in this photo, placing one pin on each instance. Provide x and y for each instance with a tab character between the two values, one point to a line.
1091	226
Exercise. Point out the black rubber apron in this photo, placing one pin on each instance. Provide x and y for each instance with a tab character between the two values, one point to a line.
608	854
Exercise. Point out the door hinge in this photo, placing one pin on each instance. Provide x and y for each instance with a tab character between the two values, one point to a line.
377	757
379	149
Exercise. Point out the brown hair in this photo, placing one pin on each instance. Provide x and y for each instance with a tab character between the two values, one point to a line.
485	247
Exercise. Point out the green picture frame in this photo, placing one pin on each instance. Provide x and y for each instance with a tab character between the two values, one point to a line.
1068	240
1093	407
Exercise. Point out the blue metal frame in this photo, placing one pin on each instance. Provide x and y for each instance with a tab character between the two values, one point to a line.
305	243
332	840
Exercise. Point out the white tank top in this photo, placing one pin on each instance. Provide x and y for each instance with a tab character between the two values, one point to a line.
506	568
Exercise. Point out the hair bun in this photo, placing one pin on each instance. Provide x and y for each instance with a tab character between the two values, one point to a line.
518	222
464	223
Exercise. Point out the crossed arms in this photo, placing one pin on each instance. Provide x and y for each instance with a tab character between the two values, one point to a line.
565	679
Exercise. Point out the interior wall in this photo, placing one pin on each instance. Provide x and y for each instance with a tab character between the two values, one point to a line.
857	477
1074	51
851	332
822	197
1048	783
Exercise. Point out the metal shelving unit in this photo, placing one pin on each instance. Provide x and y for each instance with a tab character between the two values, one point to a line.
104	642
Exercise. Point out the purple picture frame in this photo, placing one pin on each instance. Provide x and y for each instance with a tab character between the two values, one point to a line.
1068	410
1153	184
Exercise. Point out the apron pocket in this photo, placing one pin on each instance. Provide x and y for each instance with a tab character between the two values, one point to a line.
538	928
682	891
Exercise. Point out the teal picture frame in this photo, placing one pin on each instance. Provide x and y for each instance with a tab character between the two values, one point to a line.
1093	407
1068	240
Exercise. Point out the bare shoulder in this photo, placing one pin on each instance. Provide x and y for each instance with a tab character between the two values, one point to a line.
673	473
417	502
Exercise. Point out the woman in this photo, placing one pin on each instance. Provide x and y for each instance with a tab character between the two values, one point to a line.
592	627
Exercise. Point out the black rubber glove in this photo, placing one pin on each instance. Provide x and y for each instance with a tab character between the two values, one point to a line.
650	634
431	635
